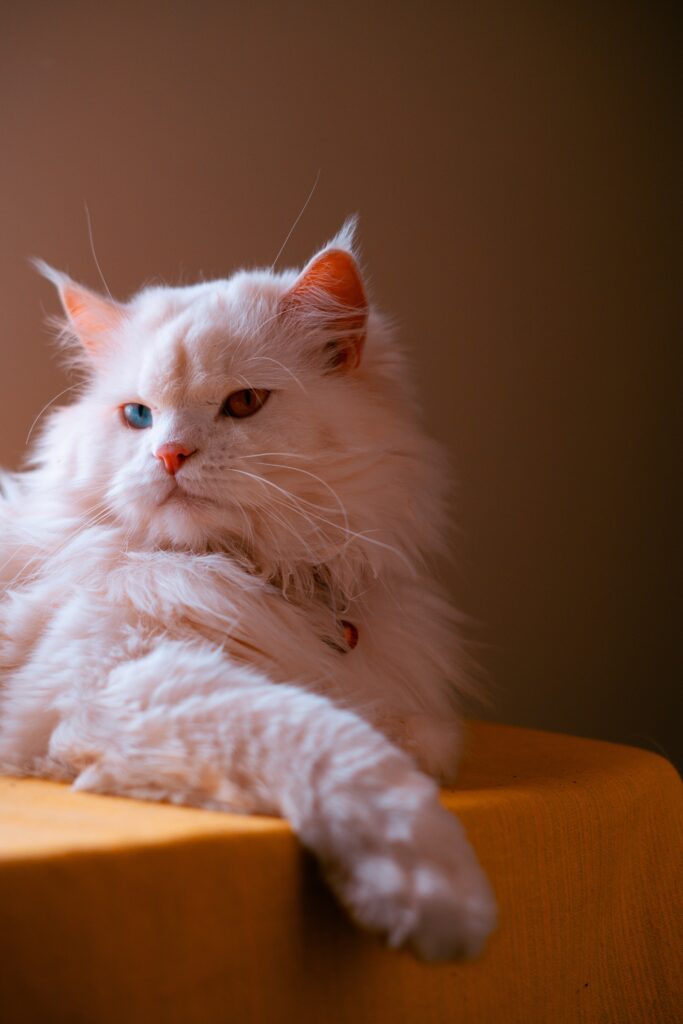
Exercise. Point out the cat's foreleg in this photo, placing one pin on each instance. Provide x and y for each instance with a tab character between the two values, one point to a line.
185	724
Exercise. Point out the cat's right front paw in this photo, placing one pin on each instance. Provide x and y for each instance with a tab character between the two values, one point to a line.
429	895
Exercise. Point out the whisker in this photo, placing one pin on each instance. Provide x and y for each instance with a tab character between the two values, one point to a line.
301	213
47	406
271	359
45	556
313	476
94	254
351	534
291	455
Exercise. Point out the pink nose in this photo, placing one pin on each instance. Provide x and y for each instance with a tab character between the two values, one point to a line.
173	456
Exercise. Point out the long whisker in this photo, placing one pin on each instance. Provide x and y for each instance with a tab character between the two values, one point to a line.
270	359
43	556
299	499
351	534
290	455
268	510
35	542
313	476
94	254
301	213
294	504
47	406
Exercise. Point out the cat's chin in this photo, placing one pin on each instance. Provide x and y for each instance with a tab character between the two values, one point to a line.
169	515
176	519
185	502
182	524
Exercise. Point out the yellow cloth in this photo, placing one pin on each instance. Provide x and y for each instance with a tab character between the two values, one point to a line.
123	912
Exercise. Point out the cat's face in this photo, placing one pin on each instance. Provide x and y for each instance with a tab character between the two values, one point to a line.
245	411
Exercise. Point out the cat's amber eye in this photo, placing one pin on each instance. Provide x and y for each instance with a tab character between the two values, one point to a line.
241	404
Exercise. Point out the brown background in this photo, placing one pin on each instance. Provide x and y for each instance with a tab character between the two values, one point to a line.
516	172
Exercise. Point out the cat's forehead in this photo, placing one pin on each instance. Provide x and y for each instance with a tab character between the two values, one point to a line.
236	303
200	338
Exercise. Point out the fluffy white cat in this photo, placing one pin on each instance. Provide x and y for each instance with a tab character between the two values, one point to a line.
215	589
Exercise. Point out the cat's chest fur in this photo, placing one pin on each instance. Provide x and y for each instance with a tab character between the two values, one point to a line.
97	603
108	602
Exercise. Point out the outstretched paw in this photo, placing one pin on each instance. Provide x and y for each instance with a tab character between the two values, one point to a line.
429	895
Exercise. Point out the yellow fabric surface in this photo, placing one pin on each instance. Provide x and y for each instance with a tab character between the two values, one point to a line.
118	911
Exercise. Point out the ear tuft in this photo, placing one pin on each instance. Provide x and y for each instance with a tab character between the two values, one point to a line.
91	317
346	236
56	277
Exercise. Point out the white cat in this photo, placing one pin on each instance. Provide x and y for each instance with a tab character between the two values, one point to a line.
215	589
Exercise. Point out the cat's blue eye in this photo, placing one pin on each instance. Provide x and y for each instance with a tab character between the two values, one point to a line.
136	415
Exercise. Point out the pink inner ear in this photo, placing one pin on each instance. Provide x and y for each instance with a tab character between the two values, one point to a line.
90	315
331	287
335	273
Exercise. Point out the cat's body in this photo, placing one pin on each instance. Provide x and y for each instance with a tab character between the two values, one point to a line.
223	601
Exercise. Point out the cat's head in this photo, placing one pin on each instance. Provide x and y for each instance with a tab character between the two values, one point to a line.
266	413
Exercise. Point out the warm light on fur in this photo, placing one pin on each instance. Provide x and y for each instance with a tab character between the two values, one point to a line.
180	635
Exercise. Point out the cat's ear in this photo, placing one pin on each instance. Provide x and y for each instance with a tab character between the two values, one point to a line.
329	297
92	318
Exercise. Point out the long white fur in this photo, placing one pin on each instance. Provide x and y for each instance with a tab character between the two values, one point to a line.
186	645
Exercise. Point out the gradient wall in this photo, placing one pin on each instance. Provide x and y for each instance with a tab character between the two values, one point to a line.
517	173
